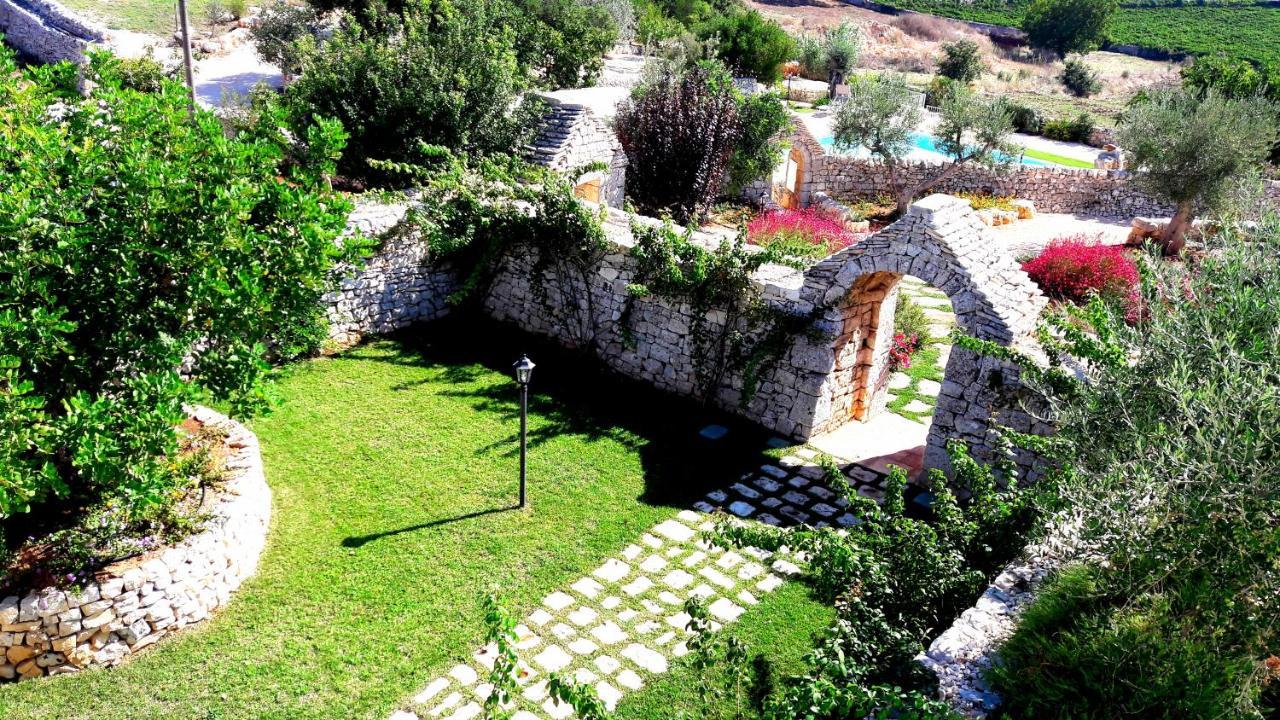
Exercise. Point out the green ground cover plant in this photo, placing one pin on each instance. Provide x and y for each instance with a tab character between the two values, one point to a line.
394	470
1174	454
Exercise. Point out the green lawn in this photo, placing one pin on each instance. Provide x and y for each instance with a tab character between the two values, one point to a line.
1055	158
150	16
393	471
778	633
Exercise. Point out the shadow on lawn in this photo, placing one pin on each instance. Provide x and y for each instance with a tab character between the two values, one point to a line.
573	394
359	541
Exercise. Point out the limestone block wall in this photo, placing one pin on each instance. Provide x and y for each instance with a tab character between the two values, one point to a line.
395	288
45	31
1101	193
570	137
836	373
132	604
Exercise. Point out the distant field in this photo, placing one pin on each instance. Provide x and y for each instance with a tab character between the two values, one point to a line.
1242	29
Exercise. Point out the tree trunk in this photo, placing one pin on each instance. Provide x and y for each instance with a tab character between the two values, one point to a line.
1175	233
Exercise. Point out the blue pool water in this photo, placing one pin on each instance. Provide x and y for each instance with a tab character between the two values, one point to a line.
929	144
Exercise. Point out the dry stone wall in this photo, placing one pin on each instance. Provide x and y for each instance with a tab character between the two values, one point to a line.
1099	193
134	603
395	288
45	31
571	137
835	374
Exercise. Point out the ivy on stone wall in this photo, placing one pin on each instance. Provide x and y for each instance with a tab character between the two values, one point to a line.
731	328
472	212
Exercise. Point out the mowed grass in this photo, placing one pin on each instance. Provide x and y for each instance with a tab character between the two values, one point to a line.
778	633
394	471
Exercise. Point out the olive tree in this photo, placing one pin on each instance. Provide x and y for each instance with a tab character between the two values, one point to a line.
831	54
1193	148
882	114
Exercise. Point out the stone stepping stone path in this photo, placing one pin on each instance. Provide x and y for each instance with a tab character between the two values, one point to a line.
937	309
616	627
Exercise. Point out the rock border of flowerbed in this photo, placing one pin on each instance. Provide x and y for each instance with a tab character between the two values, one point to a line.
133	603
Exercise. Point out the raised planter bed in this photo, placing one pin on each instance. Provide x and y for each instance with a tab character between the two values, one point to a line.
133	603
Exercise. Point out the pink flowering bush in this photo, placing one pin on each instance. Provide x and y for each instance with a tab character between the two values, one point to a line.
800	232
904	346
1073	268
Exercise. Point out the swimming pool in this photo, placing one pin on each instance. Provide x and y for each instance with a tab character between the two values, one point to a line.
927	145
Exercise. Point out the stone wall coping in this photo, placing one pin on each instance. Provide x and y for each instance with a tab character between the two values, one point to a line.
133	603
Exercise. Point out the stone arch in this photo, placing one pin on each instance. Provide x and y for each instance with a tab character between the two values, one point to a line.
941	241
792	179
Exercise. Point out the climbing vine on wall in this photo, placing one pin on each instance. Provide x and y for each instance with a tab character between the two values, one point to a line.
472	212
731	328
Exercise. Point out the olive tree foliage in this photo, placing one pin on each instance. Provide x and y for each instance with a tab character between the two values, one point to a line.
1194	148
149	259
831	54
882	113
1067	26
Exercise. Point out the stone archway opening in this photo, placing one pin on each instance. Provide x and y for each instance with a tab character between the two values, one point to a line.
789	179
884	411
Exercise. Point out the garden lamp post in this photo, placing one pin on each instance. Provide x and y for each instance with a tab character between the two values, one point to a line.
524	371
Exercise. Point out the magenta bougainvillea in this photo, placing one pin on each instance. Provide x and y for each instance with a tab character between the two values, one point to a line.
1075	267
904	346
796	228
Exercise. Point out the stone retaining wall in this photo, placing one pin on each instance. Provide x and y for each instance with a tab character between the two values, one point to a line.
132	604
1097	193
45	31
833	372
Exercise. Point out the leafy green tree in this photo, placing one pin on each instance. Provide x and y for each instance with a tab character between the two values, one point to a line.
445	72
1192	148
882	114
832	54
1080	79
749	43
1067	26
1236	79
562	42
149	260
961	61
276	36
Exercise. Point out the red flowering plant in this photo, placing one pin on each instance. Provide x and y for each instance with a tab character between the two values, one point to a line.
805	233
1075	267
904	346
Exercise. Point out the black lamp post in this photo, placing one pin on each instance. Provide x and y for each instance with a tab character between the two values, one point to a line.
524	371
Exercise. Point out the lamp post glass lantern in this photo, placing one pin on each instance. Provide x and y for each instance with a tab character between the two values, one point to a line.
524	372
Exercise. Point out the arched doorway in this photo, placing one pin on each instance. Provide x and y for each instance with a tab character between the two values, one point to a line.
940	242
789	180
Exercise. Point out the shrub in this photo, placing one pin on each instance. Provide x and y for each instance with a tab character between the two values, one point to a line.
1026	119
1067	26
803	233
1073	268
136	243
909	319
445	73
1077	129
765	121
679	133
961	61
939	90
831	55
562	42
144	73
750	44
901	350
280	27
1178	494
1080	79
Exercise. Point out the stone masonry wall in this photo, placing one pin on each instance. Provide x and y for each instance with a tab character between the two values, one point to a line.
571	137
827	377
45	31
395	288
1101	193
132	604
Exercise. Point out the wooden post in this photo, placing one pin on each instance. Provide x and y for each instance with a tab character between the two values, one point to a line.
185	27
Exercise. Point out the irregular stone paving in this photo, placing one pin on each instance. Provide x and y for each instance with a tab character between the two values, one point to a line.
938	309
616	627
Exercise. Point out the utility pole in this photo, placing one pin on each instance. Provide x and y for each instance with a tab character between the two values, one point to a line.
186	57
